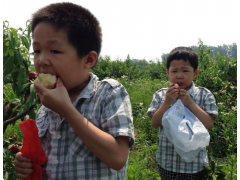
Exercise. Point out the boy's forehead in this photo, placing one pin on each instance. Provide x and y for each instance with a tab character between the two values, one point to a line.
49	42
180	64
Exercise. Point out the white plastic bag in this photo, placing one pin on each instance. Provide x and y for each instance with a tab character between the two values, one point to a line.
185	131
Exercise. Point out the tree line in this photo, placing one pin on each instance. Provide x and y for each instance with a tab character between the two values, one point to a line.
140	68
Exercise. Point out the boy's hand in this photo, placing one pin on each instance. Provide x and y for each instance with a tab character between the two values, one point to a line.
55	99
171	94
185	97
22	166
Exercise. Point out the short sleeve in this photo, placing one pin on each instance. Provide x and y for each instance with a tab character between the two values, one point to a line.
210	105
158	99
117	117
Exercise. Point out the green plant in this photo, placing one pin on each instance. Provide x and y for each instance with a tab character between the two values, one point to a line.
19	97
16	44
221	168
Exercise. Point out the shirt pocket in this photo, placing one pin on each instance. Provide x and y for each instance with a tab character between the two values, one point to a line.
78	148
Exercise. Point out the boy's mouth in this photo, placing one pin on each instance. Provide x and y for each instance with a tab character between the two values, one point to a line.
180	84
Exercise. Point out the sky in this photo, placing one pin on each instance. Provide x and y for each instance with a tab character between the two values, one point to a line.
145	29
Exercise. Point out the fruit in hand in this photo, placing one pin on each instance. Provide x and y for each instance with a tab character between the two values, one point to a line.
175	85
47	80
14	148
32	76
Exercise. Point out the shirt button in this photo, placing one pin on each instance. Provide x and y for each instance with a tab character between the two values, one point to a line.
55	162
59	136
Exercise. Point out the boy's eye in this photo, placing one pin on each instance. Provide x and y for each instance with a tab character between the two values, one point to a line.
54	52
36	51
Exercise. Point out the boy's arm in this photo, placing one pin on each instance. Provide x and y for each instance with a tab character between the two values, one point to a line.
203	116
112	151
157	116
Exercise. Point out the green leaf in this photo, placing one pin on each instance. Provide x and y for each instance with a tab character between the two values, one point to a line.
11	52
6	175
21	79
14	32
5	49
25	42
32	97
32	114
5	24
29	28
7	67
11	43
9	147
19	57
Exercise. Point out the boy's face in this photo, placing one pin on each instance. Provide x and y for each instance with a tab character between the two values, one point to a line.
55	55
181	72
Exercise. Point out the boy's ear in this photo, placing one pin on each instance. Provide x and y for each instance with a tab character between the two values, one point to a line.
167	72
196	73
91	59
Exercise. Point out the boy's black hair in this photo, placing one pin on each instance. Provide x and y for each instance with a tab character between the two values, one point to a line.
82	28
183	53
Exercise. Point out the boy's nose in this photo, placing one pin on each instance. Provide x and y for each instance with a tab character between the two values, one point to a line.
179	75
43	60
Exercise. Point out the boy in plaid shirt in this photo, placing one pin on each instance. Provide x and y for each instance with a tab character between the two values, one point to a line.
85	125
182	68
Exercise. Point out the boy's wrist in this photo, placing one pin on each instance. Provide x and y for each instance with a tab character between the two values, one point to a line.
166	105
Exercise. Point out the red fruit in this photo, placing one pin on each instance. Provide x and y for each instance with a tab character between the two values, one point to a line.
27	96
13	136
14	148
32	75
220	94
9	111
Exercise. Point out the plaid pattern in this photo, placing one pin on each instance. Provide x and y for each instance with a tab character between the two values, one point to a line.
166	157
104	103
169	175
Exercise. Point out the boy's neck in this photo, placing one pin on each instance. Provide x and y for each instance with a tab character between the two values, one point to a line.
73	93
187	88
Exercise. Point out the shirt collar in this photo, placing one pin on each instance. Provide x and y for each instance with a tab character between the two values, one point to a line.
89	90
192	90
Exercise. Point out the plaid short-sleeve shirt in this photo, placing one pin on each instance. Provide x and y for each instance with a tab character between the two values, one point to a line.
166	157
105	104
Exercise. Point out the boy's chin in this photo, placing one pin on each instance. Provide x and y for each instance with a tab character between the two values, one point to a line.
186	87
